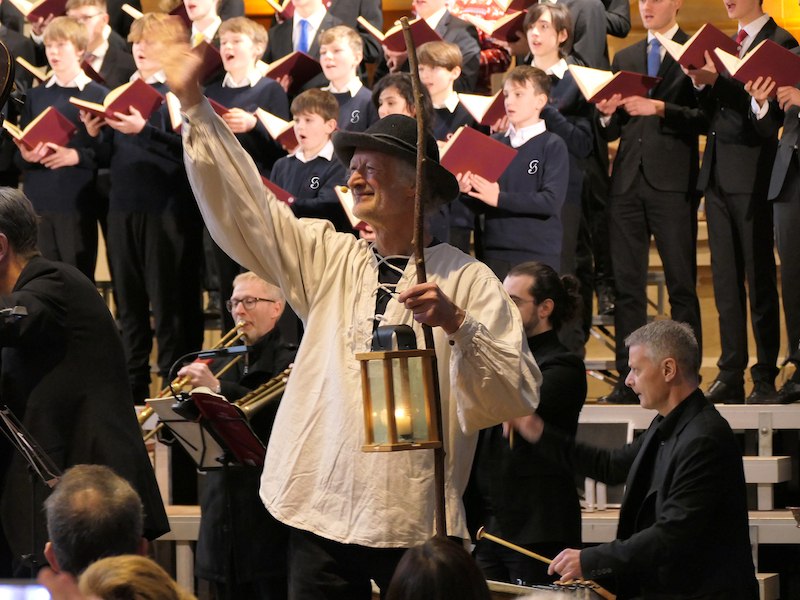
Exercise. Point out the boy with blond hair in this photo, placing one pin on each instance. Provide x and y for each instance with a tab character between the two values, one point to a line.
523	208
311	174
59	180
341	52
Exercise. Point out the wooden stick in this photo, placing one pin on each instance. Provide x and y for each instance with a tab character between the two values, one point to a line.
419	256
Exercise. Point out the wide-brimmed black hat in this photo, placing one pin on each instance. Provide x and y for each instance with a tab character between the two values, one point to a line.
396	135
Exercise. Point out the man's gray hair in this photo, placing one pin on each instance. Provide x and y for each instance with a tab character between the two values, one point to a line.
669	339
91	514
18	221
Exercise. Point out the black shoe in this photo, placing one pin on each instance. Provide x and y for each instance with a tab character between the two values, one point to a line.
790	392
763	393
621	394
725	393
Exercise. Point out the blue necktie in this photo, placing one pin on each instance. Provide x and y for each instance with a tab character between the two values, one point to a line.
654	57
302	40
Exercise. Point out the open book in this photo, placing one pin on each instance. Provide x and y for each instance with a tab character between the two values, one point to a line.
280	193
346	200
133	13
486	110
597	85
174	110
42	9
393	39
39	73
284	10
691	54
279	130
50	126
301	67
470	150
768	59
506	28
136	94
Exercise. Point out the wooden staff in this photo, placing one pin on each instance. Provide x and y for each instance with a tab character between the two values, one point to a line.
422	277
599	590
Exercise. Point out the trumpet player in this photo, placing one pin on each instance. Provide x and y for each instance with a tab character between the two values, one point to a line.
243	548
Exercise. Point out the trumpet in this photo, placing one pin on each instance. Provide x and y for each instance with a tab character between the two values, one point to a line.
226	341
260	397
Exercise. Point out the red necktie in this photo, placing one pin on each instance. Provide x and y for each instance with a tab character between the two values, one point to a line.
740	37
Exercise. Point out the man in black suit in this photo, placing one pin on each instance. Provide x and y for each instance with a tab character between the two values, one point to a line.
451	29
348	11
62	373
683	528
653	182
289	36
735	176
784	192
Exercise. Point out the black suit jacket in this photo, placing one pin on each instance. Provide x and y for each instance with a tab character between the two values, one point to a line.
738	149
465	36
664	149
18	45
280	44
683	526
117	67
348	11
787	149
258	542
589	22
63	373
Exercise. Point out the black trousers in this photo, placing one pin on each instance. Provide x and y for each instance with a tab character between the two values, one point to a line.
786	210
322	569
741	241
157	262
70	238
671	219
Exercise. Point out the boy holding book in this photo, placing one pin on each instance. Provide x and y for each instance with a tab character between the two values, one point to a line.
734	177
312	172
653	182
155	230
523	208
341	52
59	180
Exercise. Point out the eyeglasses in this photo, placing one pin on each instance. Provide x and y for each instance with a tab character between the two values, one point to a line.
249	303
85	18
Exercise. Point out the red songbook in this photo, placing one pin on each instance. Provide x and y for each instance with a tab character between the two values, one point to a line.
597	85
91	73
42	9
138	94
506	28
49	127
393	39
174	110
691	54
768	59
470	150
486	110
40	73
301	67
211	58
345	196
279	130
280	193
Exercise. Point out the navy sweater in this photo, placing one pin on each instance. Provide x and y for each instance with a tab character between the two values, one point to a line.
312	186
67	189
526	224
268	95
147	172
356	113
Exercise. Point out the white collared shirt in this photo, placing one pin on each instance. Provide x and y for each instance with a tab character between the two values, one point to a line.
558	69
81	81
98	55
434	19
752	30
669	34
353	87
519	136
314	22
326	153
209	32
253	77
450	103
157	77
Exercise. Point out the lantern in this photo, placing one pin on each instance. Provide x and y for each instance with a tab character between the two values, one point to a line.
397	389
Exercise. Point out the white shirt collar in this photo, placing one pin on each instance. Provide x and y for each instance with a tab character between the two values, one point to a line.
81	81
209	32
157	77
669	34
253	77
353	87
326	153
450	103
520	136
557	69
314	21
434	19
752	30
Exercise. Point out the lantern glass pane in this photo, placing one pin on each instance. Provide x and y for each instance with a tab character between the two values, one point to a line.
378	394
409	387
